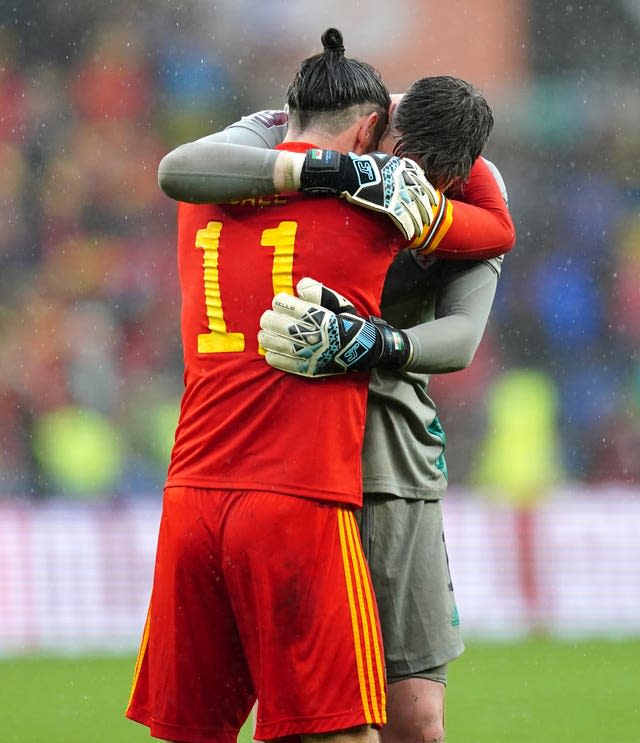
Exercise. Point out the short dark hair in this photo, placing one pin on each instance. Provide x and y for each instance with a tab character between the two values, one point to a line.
330	83
444	123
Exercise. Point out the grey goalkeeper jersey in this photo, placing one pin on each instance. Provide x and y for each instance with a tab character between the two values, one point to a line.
404	444
444	305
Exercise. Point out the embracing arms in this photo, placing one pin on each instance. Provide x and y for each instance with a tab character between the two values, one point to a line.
213	170
319	333
239	162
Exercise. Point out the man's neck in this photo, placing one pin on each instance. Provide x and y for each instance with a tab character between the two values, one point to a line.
344	141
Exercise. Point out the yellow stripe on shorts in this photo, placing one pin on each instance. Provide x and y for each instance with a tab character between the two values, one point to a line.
143	648
378	661
363	621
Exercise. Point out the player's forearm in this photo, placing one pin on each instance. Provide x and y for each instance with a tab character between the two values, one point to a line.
482	227
448	345
208	171
477	233
449	342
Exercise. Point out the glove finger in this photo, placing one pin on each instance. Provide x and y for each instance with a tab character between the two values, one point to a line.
403	220
281	324
420	209
415	179
296	366
286	363
428	194
413	219
293	307
423	204
309	289
284	335
270	341
296	345
317	293
422	199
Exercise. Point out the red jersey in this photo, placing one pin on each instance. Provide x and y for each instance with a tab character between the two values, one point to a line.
244	425
477	230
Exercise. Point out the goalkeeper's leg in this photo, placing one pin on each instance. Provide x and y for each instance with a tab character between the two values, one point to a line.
415	712
417	610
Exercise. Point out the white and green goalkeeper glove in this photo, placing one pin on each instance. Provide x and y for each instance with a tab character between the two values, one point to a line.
319	333
387	184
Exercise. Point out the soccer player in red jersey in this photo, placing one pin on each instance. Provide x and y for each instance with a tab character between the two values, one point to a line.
443	123
260	587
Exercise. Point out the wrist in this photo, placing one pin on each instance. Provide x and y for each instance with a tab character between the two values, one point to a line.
286	172
322	171
293	169
396	349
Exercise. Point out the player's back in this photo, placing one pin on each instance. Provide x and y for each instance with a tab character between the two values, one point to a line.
243	424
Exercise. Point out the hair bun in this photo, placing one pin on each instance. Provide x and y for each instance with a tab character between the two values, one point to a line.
332	40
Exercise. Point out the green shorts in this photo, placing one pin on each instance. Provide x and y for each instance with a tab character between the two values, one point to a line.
404	544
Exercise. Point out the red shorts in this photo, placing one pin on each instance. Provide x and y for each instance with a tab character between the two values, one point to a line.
257	595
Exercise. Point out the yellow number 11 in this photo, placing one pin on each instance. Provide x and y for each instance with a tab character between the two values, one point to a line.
281	238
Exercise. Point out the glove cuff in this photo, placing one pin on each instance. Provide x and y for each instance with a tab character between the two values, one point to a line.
396	351
322	171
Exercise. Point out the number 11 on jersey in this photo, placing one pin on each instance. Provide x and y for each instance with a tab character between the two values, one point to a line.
281	239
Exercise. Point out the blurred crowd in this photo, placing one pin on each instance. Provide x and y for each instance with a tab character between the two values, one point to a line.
90	356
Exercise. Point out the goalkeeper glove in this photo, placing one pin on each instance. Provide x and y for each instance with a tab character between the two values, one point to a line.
319	333
388	184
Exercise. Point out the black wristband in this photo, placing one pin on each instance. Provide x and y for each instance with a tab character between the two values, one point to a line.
395	349
322	171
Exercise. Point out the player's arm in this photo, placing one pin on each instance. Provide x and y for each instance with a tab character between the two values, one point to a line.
238	162
241	162
449	342
477	228
225	167
319	333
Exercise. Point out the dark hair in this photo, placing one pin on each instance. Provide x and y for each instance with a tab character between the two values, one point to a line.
443	123
329	82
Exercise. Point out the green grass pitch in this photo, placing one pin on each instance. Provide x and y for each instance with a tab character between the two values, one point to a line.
527	692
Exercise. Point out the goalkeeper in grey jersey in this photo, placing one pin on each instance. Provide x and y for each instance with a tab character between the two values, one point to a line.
443	307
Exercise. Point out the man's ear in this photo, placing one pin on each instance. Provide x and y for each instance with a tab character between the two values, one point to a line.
366	138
